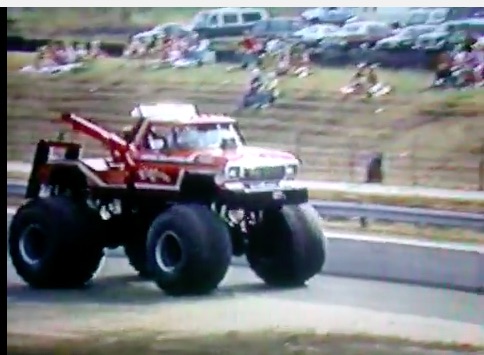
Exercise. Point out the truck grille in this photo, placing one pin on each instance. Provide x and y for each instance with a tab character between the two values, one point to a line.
266	173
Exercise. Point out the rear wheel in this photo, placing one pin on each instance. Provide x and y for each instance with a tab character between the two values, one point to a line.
287	247
53	243
135	229
135	251
188	250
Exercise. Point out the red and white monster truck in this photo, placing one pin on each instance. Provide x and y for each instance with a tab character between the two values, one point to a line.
180	191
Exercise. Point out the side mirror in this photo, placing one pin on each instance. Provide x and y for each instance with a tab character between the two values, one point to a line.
228	143
160	144
164	146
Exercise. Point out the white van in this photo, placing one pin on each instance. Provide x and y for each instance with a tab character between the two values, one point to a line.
227	21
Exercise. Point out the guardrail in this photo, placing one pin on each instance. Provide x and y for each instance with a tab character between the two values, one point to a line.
349	210
396	214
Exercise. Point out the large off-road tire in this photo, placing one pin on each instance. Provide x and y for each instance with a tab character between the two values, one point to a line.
135	251
131	230
287	247
53	243
188	250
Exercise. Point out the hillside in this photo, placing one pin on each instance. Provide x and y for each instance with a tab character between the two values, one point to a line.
432	139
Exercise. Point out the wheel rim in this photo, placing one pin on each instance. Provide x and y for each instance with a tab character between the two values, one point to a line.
32	244
169	252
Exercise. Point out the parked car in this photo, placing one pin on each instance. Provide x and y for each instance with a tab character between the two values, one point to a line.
436	16
417	17
444	14
327	15
314	34
169	29
450	33
227	22
405	38
279	27
359	33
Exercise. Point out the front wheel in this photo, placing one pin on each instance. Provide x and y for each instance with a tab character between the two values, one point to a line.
188	250
287	247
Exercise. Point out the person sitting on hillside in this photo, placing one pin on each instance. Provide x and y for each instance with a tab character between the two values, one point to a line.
95	50
131	48
165	43
270	54
255	95
467	68
478	48
70	53
58	53
250	48
283	61
375	87
81	51
53	58
443	71
271	87
180	55
299	60
198	49
40	57
50	55
175	52
357	83
151	44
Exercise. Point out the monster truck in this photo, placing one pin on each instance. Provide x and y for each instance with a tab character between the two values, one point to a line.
180	191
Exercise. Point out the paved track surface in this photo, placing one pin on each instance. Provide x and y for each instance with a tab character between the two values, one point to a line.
118	299
117	284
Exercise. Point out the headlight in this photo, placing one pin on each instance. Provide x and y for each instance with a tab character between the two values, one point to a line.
291	171
234	172
228	174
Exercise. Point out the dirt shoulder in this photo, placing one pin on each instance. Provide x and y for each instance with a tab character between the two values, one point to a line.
66	319
234	343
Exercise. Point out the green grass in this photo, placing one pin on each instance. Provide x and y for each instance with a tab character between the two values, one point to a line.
267	343
325	81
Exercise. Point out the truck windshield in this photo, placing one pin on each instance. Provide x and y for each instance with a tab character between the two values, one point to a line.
206	136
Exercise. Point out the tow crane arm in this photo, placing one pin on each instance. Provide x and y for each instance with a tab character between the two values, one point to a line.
120	149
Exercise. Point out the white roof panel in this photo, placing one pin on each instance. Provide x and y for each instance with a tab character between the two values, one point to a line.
166	112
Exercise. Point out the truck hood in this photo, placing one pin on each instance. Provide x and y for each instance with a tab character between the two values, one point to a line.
244	157
249	157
